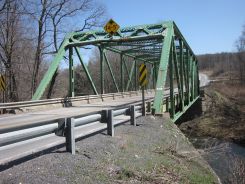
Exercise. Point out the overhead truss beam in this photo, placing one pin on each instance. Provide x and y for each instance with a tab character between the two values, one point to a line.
162	47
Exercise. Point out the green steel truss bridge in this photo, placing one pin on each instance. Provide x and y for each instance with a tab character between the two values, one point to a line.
161	47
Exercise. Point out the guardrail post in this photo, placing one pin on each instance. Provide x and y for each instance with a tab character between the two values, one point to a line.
88	99
110	125
70	137
148	106
132	115
143	109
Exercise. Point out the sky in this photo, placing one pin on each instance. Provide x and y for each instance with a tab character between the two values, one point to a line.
209	26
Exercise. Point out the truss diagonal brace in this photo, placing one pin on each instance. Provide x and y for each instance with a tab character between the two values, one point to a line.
49	74
177	74
112	75
131	75
86	71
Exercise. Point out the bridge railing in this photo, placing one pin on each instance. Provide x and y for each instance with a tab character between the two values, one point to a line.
64	102
24	140
20	141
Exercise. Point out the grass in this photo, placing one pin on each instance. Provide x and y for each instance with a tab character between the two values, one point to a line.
152	154
160	164
200	178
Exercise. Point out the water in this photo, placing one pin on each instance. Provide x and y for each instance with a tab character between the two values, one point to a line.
227	159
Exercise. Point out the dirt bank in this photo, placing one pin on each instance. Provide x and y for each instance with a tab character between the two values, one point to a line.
223	114
155	151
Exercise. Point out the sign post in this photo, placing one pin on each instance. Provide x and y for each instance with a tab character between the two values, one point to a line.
143	83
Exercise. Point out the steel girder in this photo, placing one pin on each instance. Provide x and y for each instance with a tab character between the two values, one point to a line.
161	46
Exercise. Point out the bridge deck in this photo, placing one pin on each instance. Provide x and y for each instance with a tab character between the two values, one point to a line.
22	149
14	121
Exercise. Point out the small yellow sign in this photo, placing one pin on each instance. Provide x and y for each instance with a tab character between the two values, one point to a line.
111	27
2	83
143	74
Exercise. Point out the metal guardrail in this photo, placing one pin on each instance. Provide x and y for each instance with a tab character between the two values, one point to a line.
63	130
25	134
66	128
65	101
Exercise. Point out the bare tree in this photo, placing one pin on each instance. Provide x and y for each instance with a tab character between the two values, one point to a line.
66	9
42	30
3	4
52	17
240	45
9	36
41	25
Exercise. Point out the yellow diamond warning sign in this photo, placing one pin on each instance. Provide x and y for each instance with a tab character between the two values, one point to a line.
111	27
2	83
142	75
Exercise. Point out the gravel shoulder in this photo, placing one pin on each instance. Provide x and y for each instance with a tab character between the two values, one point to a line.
155	151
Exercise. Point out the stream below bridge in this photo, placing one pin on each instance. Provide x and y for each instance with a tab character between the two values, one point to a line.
227	159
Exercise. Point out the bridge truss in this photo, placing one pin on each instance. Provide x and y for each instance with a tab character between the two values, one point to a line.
161	47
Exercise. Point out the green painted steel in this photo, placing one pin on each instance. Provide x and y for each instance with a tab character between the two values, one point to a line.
176	68
86	71
171	79
71	73
162	72
122	72
130	76
111	72
102	61
152	77
54	65
135	75
181	74
162	47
